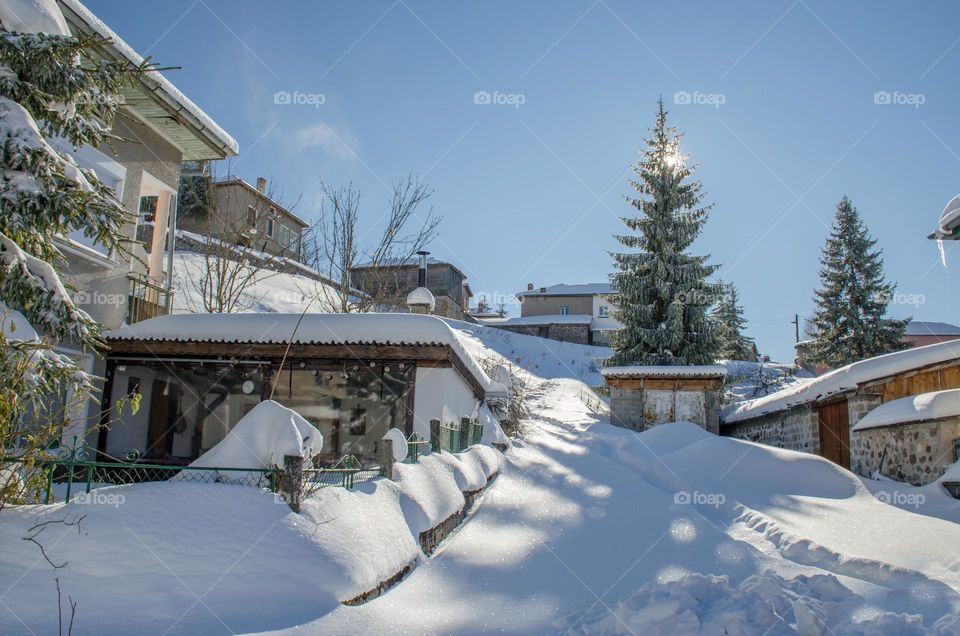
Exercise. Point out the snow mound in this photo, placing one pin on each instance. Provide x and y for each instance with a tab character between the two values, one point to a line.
915	408
762	605
421	296
262	438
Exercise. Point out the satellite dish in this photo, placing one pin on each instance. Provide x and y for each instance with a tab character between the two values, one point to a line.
950	218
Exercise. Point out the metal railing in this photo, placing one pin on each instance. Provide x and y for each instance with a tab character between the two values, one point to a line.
147	299
453	437
347	472
417	446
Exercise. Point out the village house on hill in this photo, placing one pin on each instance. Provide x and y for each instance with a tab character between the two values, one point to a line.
581	314
390	283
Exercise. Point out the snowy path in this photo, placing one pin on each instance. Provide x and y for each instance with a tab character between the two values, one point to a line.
585	514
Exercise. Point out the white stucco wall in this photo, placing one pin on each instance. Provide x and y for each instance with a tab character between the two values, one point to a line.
608	322
441	394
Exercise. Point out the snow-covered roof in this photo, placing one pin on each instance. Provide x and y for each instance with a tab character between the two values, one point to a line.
666	371
915	408
324	329
843	379
548	319
927	328
178	108
585	289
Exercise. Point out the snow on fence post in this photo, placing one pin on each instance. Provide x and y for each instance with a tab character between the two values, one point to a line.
435	435
292	480
385	455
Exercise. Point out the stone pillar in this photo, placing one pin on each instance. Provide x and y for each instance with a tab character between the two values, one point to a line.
292	480
435	435
384	450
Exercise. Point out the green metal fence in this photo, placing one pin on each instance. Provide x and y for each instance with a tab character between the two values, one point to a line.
455	437
416	447
345	473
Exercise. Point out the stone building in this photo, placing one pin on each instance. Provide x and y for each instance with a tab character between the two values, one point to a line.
642	397
390	283
571	313
819	416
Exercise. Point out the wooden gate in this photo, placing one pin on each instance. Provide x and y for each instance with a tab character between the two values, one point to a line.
835	433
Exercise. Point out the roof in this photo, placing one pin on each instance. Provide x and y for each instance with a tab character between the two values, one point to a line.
585	289
413	261
155	98
925	328
915	408
844	379
547	319
318	329
263	195
665	371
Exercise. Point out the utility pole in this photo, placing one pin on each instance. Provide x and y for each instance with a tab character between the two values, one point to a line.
796	327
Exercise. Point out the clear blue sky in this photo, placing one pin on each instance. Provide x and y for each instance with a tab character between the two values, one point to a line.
533	193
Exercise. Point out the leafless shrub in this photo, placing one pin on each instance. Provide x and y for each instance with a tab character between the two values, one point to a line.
514	413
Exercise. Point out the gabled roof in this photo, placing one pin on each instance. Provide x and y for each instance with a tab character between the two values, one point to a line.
926	328
155	98
262	195
842	380
413	261
548	319
585	289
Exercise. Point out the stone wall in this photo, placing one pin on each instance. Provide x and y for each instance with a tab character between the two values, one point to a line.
913	452
578	334
795	429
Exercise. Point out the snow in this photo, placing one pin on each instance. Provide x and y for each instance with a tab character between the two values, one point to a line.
204	121
345	329
267	292
688	371
588	528
843	379
33	16
950	215
916	408
262	438
549	319
421	296
563	289
398	443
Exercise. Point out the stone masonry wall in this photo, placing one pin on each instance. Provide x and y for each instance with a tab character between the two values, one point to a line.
796	429
917	453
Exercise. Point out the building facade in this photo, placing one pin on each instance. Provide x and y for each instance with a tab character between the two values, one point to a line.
247	214
590	306
390	283
157	129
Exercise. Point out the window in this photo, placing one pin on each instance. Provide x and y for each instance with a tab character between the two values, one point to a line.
270	228
148	208
603	312
284	236
564	310
251	216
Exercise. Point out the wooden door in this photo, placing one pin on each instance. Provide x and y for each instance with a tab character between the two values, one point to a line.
835	433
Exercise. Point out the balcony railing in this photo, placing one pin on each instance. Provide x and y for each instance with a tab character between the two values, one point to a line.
147	299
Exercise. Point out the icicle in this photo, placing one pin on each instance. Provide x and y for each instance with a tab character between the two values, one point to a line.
943	253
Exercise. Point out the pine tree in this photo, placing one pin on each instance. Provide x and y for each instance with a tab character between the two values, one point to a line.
729	322
849	324
51	84
662	291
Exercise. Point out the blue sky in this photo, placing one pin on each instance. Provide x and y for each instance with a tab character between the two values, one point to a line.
532	192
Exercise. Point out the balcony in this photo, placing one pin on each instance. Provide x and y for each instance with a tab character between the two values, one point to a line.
147	299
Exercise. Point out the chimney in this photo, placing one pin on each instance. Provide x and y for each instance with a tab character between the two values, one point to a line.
261	185
529	286
422	274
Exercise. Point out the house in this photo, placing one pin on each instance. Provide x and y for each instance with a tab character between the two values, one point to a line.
353	376
157	129
821	415
571	313
920	333
248	214
390	283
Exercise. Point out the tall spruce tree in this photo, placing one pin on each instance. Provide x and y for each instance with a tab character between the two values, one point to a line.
729	322
662	291
849	324
51	85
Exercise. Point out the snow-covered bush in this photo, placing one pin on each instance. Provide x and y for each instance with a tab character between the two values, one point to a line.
514	411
